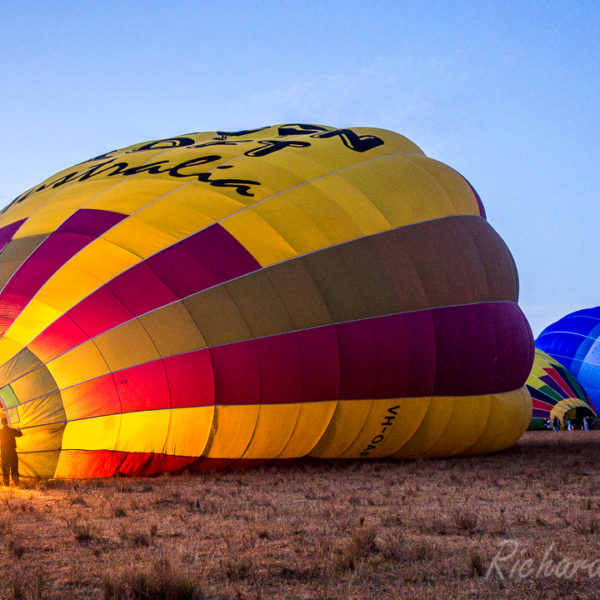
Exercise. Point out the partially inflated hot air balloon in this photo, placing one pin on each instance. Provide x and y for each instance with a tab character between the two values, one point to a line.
226	297
574	340
555	392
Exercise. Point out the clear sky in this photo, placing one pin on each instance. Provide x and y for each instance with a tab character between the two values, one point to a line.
507	93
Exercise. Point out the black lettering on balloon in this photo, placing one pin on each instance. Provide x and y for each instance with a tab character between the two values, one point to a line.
353	141
358	143
270	146
242	186
225	134
53	184
99	157
65	179
299	129
167	143
152	168
193	162
22	197
220	143
378	438
109	167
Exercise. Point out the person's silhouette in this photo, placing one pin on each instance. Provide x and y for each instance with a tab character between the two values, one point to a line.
8	448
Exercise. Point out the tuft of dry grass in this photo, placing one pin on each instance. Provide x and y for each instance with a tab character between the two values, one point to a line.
466	520
82	530
355	549
313	530
161	582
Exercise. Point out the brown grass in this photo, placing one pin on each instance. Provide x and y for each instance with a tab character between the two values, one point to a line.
351	530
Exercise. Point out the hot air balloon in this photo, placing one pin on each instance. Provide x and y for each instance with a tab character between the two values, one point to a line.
574	340
230	297
555	392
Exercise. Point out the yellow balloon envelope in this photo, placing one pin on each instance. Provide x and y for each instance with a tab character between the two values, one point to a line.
232	297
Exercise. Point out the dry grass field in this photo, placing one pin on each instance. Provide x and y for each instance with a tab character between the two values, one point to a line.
352	530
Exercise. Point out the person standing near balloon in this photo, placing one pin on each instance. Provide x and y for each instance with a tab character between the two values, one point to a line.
8	449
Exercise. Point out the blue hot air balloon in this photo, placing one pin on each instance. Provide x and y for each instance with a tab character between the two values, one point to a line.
574	341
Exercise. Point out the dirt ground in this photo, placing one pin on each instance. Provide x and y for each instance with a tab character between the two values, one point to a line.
520	524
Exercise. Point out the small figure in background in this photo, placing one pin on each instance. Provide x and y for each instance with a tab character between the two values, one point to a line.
8	449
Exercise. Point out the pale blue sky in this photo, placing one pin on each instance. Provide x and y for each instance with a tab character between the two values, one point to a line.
507	93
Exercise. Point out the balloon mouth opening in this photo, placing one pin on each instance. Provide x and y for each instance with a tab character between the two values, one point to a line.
571	408
578	412
20	403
